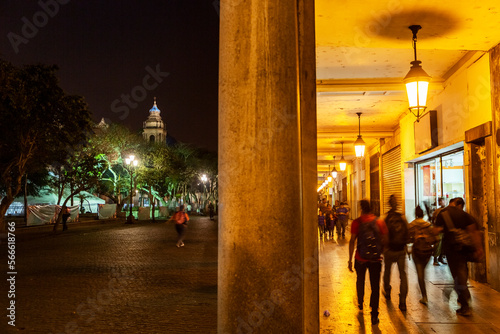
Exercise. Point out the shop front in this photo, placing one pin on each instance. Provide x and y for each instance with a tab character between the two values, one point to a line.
440	176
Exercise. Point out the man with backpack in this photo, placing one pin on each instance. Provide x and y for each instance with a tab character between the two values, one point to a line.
396	252
369	234
454	221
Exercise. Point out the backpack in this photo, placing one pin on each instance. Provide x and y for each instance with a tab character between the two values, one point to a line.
369	241
180	217
398	231
424	241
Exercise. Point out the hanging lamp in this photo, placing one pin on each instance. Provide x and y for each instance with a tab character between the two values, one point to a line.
342	162
334	170
329	176
359	144
416	81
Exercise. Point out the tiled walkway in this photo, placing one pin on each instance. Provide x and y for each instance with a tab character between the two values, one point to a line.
338	296
111	277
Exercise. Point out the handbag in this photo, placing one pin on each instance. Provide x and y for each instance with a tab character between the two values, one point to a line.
462	240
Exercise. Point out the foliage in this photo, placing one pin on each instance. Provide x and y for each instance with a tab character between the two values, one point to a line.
39	125
115	142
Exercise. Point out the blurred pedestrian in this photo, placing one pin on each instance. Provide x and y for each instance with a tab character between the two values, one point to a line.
321	223
181	219
342	219
65	215
396	252
369	235
423	239
450	219
211	210
438	254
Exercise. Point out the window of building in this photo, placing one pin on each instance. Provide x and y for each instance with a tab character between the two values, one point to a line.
441	176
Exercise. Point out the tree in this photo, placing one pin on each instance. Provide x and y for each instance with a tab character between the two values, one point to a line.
81	171
39	125
153	175
114	142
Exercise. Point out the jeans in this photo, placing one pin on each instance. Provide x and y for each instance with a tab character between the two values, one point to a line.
400	258
374	269
458	267
420	264
341	225
438	247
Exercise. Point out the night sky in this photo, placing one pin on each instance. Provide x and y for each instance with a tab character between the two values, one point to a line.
120	54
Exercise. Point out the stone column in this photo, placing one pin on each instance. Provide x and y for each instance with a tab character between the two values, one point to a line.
268	254
493	184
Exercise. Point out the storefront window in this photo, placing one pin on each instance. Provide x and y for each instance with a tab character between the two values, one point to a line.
453	176
442	176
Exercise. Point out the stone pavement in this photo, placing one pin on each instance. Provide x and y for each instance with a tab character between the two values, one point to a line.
338	296
110	277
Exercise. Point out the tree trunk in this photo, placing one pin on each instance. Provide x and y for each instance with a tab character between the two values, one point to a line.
152	201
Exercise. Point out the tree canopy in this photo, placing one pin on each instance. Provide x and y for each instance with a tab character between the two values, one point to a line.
39	125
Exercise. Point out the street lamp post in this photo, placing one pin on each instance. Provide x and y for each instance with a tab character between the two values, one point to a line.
131	162
203	180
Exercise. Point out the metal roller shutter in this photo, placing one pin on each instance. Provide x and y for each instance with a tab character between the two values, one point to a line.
391	178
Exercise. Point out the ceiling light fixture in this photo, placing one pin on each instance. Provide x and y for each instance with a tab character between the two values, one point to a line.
359	144
342	162
334	170
329	176
416	81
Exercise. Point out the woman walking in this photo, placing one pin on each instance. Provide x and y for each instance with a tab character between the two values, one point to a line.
423	239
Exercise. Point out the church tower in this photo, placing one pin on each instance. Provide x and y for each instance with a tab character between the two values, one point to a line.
154	129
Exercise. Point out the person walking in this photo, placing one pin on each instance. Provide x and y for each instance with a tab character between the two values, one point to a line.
321	223
211	210
342	219
330	224
450	218
65	215
369	236
438	254
181	219
423	239
396	252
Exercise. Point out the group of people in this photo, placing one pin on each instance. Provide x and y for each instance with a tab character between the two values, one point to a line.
375	240
333	218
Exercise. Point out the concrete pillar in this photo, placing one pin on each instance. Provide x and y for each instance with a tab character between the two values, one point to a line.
268	254
493	184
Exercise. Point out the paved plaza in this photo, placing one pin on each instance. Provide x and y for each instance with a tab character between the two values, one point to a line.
110	277
113	277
